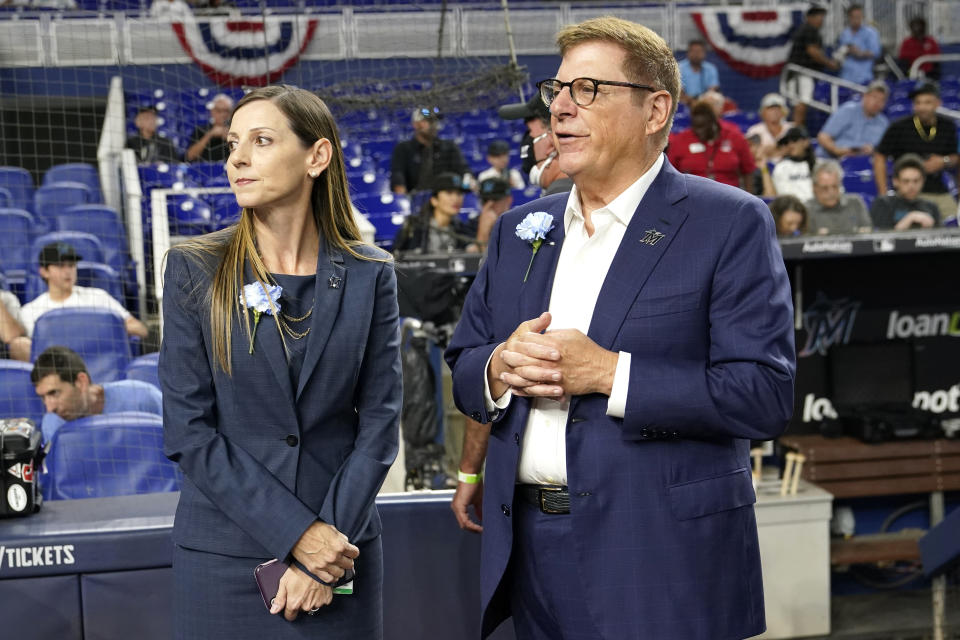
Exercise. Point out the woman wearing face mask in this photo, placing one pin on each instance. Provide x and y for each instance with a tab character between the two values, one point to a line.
710	150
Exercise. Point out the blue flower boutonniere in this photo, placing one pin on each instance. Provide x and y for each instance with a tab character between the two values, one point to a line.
534	228
258	299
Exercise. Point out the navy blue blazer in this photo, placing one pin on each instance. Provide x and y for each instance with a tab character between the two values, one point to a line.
263	460
660	499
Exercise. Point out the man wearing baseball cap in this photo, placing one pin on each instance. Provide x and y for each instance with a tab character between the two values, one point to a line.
927	134
772	126
498	155
58	268
437	228
416	161
537	150
495	200
149	146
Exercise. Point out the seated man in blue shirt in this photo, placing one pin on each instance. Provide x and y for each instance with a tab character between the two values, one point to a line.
697	76
861	43
857	126
60	377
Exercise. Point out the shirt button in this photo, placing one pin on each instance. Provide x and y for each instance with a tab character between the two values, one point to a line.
292	440
516	438
505	509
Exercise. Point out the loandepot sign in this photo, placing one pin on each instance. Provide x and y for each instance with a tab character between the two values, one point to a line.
923	325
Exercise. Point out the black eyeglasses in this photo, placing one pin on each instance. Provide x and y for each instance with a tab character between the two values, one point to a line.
582	90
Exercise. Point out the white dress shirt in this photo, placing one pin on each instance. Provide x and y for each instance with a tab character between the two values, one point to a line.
581	269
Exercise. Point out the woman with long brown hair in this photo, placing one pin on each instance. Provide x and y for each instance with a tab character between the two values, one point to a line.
282	390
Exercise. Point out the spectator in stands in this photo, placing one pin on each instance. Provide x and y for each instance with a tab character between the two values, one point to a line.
437	228
61	379
929	135
830	210
498	155
790	216
772	126
495	199
859	45
857	126
415	162
537	151
696	74
13	341
150	147
906	209
807	51
209	144
709	150
58	268
917	44
792	173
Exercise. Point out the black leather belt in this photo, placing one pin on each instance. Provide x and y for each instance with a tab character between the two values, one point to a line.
548	498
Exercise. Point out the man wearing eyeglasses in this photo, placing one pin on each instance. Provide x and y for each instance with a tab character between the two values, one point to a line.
625	361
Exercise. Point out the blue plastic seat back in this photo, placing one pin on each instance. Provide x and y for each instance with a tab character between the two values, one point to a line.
145	369
19	183
15	229
188	215
18	398
6	198
50	200
208	174
115	454
104	223
101	276
98	335
75	172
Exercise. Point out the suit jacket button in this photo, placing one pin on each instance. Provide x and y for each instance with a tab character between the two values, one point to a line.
476	416
505	509
644	433
516	438
292	440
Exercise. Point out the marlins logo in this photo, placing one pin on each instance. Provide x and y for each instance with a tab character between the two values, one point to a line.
828	322
245	52
652	237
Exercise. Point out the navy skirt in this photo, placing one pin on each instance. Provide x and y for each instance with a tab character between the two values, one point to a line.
216	596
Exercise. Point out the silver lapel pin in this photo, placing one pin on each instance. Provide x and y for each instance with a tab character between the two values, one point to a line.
334	282
652	237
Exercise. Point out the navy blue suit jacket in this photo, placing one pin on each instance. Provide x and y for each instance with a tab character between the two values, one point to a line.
661	499
263	460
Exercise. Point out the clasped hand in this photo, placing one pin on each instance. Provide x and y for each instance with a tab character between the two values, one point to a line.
325	552
552	364
299	592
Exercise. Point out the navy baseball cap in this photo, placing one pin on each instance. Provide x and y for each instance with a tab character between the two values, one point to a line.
58	253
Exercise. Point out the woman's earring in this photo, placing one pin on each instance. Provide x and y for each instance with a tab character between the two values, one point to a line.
314	174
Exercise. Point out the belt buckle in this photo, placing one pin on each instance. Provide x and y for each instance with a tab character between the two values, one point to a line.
543	505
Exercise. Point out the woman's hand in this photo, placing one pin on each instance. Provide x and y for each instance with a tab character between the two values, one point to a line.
299	592
325	552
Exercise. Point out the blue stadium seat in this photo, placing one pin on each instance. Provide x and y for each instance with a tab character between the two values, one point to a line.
525	195
15	229
380	150
75	172
20	185
18	398
104	223
857	163
189	216
115	454
6	198
225	209
859	182
161	175
950	222
208	174
101	276
87	246
385	212
52	199
144	369
98	335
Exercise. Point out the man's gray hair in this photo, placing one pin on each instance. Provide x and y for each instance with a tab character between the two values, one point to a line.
828	166
221	96
878	85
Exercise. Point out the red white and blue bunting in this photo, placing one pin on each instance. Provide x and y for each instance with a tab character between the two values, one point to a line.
755	43
252	52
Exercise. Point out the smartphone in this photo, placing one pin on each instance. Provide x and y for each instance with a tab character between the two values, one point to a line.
268	577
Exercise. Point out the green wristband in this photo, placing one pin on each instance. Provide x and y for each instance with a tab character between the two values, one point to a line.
468	478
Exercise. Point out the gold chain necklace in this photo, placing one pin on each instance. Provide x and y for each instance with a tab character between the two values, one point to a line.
926	137
296	335
301	318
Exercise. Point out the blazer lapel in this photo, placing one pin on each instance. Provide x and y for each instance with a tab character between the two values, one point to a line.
328	294
535	292
267	345
653	227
